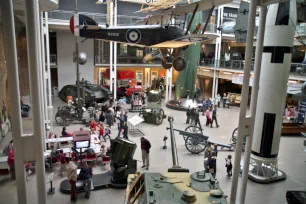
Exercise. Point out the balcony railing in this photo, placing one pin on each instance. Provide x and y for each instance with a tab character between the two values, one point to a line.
125	60
296	69
99	18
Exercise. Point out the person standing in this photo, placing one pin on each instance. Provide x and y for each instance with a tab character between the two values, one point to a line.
11	162
218	100
224	99
145	150
118	116
72	178
207	156
188	115
214	117
213	164
86	175
101	132
203	106
109	118
229	165
208	119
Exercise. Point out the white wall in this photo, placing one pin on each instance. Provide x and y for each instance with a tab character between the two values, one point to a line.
66	68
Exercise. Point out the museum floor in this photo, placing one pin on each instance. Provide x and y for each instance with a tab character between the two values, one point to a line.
291	160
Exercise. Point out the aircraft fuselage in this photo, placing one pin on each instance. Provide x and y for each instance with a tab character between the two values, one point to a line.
141	35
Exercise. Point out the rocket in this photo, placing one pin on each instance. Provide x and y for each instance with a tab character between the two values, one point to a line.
276	60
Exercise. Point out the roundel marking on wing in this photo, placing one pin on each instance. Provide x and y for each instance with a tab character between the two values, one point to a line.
133	36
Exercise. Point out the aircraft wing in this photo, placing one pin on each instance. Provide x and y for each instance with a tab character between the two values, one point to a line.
181	9
185	40
143	2
152	20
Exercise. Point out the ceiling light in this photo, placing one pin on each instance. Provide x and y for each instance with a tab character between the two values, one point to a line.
292	82
240	74
206	70
227	73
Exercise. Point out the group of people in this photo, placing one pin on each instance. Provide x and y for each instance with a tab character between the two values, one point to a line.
210	160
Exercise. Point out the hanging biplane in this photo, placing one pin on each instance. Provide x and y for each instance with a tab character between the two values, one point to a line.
169	38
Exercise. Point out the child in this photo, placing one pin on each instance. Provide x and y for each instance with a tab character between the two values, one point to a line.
108	132
101	131
102	153
229	165
63	162
216	149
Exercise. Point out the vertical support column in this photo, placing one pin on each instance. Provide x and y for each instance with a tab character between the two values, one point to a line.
9	43
254	96
32	25
111	44
50	107
115	52
170	84
216	86
219	38
243	126
167	85
214	83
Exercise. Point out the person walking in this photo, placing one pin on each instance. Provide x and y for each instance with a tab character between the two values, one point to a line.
207	156
145	150
72	178
214	117
118	116
101	132
218	100
11	162
188	115
86	175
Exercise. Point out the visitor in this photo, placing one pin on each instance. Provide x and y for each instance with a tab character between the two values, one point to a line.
51	136
65	133
229	165
109	118
125	116
209	103
214	117
208	119
203	106
103	153
145	150
118	115
218	100
121	124
110	101
11	162
224	99
86	175
72	178
188	115
101	131
207	156
102	117
216	149
213	164
63	162
107	132
93	125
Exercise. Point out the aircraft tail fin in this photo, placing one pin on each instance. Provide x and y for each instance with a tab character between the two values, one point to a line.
80	22
242	22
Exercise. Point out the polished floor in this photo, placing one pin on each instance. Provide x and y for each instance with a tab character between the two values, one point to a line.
291	160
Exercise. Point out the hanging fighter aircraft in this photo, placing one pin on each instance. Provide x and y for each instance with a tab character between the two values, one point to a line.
169	38
238	27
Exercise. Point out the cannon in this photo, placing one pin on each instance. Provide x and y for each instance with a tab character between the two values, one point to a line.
194	142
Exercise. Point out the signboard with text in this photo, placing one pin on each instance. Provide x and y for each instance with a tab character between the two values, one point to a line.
302	111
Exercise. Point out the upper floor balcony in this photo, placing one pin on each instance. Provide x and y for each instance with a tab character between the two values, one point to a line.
297	70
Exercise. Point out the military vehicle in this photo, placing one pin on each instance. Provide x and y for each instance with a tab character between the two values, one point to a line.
175	186
89	92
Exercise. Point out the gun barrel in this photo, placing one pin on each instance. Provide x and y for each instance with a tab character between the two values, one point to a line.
173	143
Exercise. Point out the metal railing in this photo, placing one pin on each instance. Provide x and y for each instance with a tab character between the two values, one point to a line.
99	18
125	60
296	69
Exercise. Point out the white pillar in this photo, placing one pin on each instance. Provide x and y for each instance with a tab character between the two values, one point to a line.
214	83
32	29
170	84
9	43
115	53
111	44
243	127
254	96
219	38
167	85
50	107
216	87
